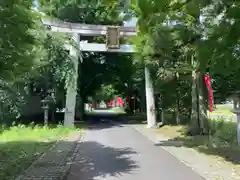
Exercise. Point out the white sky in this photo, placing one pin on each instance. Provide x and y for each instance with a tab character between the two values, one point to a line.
131	23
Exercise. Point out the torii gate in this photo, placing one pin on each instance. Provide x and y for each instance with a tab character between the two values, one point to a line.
113	34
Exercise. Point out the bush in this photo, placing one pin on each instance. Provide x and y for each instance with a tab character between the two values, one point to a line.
10	103
223	132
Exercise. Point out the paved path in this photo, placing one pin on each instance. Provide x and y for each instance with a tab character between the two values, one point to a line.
54	164
210	167
121	153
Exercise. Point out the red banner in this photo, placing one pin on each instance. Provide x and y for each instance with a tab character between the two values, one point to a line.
207	80
119	101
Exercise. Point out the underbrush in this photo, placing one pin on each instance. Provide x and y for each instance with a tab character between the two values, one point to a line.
21	145
221	140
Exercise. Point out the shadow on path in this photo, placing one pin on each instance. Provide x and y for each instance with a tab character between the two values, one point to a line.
104	120
94	160
102	125
230	154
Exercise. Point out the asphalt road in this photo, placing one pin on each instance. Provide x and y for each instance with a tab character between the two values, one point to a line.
121	153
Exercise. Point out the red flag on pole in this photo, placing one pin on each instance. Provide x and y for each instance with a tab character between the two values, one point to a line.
207	80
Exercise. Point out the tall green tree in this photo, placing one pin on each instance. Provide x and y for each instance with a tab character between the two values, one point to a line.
18	40
183	37
20	50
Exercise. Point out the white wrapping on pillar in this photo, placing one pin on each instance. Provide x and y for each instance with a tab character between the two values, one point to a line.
151	112
69	115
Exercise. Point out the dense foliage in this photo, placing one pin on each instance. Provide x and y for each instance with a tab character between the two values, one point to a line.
35	62
179	41
30	57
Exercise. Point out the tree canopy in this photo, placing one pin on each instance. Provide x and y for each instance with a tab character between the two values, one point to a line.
179	41
183	40
105	67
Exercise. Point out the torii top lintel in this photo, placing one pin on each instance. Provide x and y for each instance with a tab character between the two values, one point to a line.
85	29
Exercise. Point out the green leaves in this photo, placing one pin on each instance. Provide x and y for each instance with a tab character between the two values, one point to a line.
17	23
82	11
172	32
106	93
96	68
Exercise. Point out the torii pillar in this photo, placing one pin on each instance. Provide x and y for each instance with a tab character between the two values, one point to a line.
150	100
69	115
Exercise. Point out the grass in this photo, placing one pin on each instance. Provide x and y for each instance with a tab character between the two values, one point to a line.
138	118
118	110
21	145
223	111
172	131
221	145
223	108
115	110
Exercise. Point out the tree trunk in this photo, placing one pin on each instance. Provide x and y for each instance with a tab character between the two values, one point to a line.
194	127
199	121
178	121
202	105
143	98
235	104
162	117
1	112
45	117
81	94
81	107
53	114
